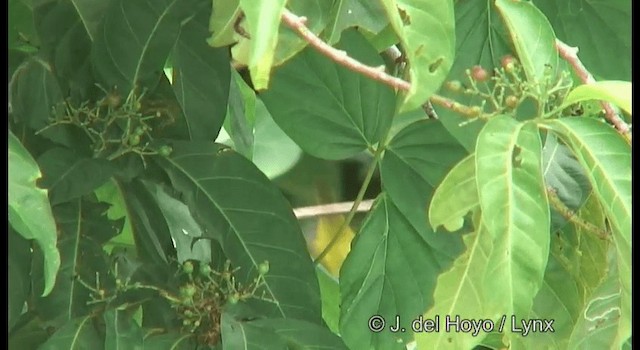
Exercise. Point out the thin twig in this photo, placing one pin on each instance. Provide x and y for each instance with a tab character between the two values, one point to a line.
570	54
331	209
377	73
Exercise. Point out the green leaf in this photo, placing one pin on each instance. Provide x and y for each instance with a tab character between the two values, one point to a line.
201	77
577	265
68	175
336	121
330	293
111	193
22	33
616	92
67	30
515	210
19	281
272	151
184	230
290	43
134	40
391	270
415	162
607	158
600	317
456	195
29	209
426	29
122	332
33	91
223	18
150	227
599	28
460	292
84	228
239	207
565	175
367	15
76	334
28	334
532	37
263	21
240	120
276	334
169	341
480	40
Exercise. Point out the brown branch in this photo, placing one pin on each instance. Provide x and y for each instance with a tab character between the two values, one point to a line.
377	73
330	209
570	54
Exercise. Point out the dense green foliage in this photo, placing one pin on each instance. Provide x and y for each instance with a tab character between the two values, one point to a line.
157	150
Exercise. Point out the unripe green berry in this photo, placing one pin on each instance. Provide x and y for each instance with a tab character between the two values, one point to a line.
263	268
233	298
453	85
134	140
205	269
165	151
138	131
188	291
511	101
187	267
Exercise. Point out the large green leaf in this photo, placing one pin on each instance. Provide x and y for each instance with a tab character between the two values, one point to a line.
150	227
68	175
29	209
617	92
263	21
415	162
460	292
564	174
238	206
391	270
33	91
84	228
600	316
599	28
338	119
364	14
122	331
19	281
134	40
427	33
276	334
515	211
201	77
480	40
456	195
607	158
533	38
77	334
67	29
330	292
577	265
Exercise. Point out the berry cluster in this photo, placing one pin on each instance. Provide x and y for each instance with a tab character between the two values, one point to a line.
507	88
113	126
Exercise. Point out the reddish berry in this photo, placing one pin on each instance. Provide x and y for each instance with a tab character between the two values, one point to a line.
479	74
508	63
511	101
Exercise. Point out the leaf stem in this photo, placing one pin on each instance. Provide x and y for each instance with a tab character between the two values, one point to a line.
356	204
570	54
